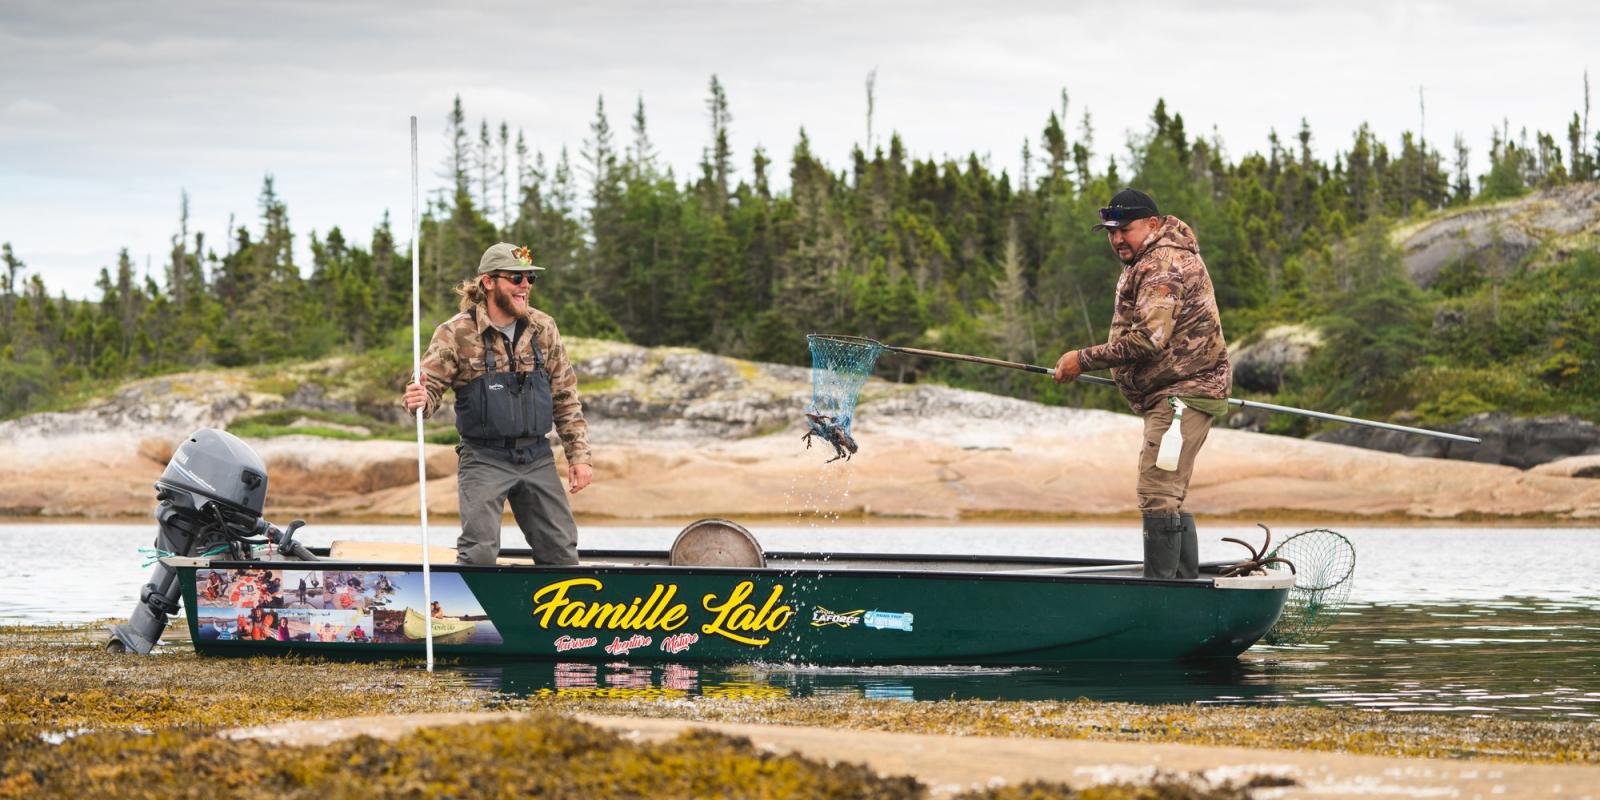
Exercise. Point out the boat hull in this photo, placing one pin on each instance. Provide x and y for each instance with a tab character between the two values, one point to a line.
932	615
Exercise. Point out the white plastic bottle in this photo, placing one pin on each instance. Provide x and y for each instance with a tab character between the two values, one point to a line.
1172	440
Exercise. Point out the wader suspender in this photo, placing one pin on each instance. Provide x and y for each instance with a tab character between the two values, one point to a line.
511	349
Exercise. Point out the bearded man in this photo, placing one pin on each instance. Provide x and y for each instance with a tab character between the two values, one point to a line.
1165	352
513	381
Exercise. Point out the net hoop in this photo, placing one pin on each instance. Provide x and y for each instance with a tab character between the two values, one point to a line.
1337	541
845	340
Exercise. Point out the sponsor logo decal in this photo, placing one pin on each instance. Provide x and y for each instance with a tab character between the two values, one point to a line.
887	620
822	617
565	643
736	616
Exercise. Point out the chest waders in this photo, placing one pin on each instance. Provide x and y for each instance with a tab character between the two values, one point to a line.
507	412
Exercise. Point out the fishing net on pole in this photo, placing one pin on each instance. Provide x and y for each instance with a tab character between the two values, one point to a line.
1325	562
840	366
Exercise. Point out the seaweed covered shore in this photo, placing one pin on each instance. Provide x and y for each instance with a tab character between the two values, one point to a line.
75	721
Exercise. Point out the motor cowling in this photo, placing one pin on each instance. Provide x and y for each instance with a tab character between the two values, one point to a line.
212	492
213	465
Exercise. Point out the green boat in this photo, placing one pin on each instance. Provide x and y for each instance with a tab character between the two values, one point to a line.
812	608
249	588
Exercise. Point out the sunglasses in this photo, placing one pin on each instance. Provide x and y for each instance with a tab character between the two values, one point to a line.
516	278
1122	214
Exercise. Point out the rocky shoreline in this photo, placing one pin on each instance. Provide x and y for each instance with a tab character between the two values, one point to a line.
76	721
678	433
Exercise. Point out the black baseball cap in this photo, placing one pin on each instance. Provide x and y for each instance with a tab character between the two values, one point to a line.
1125	207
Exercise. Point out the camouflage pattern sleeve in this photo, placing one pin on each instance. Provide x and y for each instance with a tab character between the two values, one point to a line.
439	366
570	424
1166	334
1158	289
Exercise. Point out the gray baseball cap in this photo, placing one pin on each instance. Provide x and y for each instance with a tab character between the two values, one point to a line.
506	257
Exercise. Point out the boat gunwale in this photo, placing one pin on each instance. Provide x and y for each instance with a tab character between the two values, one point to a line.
1203	582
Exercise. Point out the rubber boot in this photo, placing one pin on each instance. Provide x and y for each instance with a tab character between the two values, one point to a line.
1161	535
1188	548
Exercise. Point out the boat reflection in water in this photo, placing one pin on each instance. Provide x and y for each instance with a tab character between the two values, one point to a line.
1141	682
1507	658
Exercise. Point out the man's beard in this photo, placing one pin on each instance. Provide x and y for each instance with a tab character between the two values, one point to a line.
503	303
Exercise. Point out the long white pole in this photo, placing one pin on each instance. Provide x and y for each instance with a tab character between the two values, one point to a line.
416	377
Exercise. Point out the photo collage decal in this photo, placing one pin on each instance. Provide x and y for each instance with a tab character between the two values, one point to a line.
260	604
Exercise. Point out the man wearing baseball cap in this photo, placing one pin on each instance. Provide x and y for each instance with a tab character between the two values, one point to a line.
1167	355
513	381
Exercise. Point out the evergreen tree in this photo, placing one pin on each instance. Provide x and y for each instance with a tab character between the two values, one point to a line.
605	205
458	150
1505	177
642	155
13	267
895	246
721	159
1056	154
392	278
1461	192
486	168
502	173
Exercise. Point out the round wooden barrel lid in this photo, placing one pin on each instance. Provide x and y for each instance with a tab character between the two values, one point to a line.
716	543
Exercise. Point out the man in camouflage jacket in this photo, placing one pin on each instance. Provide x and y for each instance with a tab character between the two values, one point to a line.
1165	345
513	380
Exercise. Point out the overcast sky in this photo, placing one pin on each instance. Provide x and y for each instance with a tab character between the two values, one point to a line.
109	109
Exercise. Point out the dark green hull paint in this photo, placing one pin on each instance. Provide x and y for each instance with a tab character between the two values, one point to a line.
958	616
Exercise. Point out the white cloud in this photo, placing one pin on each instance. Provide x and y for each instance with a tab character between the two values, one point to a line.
108	110
25	109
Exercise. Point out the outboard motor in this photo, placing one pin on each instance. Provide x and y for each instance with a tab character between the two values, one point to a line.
209	497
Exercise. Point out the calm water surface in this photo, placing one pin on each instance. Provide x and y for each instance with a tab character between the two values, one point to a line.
1501	622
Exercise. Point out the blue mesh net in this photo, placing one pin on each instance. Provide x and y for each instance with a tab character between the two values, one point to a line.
840	366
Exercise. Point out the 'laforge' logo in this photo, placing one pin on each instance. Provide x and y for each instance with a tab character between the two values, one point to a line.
822	617
732	616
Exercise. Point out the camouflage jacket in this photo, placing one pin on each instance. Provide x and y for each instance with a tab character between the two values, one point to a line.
1166	336
455	357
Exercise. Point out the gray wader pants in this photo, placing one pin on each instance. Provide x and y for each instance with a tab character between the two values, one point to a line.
486	481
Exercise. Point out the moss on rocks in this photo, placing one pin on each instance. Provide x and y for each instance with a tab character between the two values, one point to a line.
76	721
540	756
1290	727
60	679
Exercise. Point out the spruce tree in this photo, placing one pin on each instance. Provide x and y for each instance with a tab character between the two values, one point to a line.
721	160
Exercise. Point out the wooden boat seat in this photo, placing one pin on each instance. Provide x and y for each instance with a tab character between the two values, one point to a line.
399	552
